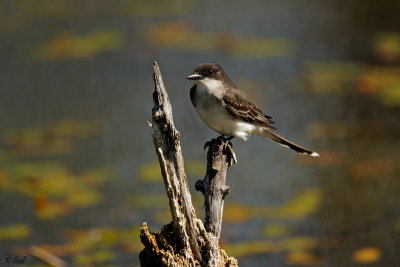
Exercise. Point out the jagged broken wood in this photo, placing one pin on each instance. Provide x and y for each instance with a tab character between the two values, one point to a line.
185	241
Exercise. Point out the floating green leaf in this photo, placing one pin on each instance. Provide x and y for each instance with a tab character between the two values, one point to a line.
276	230
69	45
263	48
180	36
88	259
150	172
302	205
53	187
148	200
390	95
84	198
297	243
18	231
35	141
387	46
195	168
332	77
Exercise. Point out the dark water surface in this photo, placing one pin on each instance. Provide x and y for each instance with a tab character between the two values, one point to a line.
78	172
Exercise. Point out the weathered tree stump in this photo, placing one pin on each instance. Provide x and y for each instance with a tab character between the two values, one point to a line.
220	157
185	241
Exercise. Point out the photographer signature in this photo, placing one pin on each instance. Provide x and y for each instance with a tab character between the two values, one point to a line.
15	259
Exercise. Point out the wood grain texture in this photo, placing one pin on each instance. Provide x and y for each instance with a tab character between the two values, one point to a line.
220	157
185	241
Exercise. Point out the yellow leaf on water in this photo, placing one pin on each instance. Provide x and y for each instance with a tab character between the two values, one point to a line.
195	168
332	130
37	142
149	200
150	172
52	181
109	235
97	176
5	183
52	210
68	45
15	232
168	34
130	243
235	213
390	95
23	170
53	186
302	258
77	128
296	243
162	216
83	240
276	230
90	258
302	205
367	255
262	48
83	198
383	83
375	79
248	248
387	46
55	138
181	36
331	77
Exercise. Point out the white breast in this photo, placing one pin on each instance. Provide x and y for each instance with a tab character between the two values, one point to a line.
210	108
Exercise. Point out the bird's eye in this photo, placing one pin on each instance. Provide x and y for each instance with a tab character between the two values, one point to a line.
211	71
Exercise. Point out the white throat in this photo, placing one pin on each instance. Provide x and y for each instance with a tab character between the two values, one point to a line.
212	86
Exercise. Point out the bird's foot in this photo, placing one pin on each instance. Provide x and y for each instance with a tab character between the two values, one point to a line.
219	138
224	138
208	143
227	147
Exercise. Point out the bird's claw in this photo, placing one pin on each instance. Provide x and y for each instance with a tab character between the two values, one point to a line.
223	138
220	138
207	144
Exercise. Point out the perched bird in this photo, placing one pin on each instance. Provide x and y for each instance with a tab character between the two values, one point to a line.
227	110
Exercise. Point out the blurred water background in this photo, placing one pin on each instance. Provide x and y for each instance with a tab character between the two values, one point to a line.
78	171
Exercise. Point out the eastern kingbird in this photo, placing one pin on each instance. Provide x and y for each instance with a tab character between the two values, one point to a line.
228	111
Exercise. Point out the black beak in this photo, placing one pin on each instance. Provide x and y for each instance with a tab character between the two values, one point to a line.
194	76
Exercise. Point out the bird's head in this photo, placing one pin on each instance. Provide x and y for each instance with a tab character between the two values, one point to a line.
207	71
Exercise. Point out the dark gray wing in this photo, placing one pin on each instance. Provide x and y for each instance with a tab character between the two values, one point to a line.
193	94
241	107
